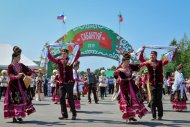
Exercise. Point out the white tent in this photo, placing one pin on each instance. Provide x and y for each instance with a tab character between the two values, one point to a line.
6	51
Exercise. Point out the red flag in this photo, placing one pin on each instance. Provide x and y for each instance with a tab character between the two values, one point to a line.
120	18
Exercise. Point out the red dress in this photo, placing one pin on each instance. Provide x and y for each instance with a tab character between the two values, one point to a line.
56	96
130	103
18	98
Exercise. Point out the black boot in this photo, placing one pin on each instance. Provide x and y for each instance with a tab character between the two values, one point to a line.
19	120
14	120
133	119
73	118
63	117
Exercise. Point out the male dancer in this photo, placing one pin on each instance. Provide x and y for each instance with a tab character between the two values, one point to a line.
66	82
155	78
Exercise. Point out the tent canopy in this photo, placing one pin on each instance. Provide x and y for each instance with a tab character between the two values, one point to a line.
109	73
6	51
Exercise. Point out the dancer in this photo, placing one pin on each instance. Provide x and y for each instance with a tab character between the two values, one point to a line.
130	104
18	98
66	82
178	96
155	81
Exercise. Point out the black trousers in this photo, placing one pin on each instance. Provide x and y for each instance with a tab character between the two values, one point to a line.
156	102
52	90
92	88
111	88
32	91
2	91
102	92
45	90
63	90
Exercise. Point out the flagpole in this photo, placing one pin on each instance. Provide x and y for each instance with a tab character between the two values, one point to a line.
119	35
119	27
120	54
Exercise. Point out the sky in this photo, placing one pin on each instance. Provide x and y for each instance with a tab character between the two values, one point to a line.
30	24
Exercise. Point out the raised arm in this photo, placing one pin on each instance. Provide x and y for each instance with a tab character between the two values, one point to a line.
141	57
170	56
50	57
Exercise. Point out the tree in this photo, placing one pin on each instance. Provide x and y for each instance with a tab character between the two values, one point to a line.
182	56
97	71
83	73
113	68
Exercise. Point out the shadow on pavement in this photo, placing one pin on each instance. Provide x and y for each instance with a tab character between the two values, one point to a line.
178	121
177	111
174	123
36	122
156	124
108	103
40	104
91	112
98	121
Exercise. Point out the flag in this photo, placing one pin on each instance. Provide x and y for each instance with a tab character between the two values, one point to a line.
62	18
120	18
169	56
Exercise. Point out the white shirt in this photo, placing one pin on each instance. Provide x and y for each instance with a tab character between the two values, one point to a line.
76	77
102	81
52	80
178	83
4	81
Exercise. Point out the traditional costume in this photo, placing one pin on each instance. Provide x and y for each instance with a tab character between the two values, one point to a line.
66	82
56	96
155	81
178	96
18	98
130	103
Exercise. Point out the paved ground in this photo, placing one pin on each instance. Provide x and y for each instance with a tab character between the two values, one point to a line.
105	114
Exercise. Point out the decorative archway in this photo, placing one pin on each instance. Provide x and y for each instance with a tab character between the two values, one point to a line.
97	40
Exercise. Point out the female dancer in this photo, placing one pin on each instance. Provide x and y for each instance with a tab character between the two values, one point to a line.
178	97
130	103
18	98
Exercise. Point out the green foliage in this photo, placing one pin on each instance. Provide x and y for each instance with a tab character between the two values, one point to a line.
182	57
82	73
112	68
97	71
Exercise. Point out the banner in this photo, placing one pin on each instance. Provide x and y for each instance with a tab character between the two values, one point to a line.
97	40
